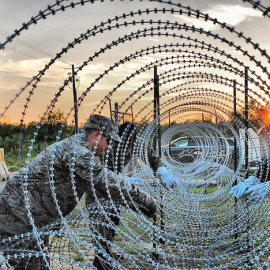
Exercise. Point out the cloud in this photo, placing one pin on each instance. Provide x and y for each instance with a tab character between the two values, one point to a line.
154	39
230	14
26	67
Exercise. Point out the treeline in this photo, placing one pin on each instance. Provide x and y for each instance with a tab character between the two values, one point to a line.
16	139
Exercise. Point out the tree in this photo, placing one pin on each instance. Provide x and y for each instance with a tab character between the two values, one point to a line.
55	118
259	112
52	124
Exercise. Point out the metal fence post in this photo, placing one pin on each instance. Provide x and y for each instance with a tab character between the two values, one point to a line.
75	101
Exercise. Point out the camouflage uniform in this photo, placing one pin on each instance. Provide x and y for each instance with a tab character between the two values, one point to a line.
69	155
119	161
128	134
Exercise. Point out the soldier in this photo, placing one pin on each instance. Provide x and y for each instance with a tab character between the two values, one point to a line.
120	161
124	162
127	132
51	185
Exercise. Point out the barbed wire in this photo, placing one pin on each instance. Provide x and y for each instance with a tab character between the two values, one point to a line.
197	219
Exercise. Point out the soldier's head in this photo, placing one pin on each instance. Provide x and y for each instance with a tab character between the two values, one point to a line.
100	130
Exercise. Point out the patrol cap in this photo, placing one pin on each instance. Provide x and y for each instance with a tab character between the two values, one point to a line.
104	124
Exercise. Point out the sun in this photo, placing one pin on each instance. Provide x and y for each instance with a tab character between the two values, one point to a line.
265	117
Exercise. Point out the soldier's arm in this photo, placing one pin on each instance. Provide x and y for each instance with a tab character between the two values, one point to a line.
164	174
107	184
122	192
154	160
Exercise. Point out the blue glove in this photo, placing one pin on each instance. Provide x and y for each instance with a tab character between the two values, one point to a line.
240	189
258	192
167	178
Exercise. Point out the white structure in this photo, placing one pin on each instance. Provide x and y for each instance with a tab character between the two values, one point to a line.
254	149
4	172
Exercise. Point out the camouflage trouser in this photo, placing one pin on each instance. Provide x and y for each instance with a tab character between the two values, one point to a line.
13	250
103	219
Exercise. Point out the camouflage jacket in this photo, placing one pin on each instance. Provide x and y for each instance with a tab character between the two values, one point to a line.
67	168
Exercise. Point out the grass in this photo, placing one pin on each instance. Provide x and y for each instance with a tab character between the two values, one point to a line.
188	246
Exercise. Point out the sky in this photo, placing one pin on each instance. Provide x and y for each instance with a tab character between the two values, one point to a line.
26	55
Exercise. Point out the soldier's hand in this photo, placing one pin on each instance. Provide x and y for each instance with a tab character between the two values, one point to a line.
56	228
167	178
154	160
150	211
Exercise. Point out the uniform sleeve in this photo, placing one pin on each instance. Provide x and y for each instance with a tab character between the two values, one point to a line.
154	160
83	164
110	185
